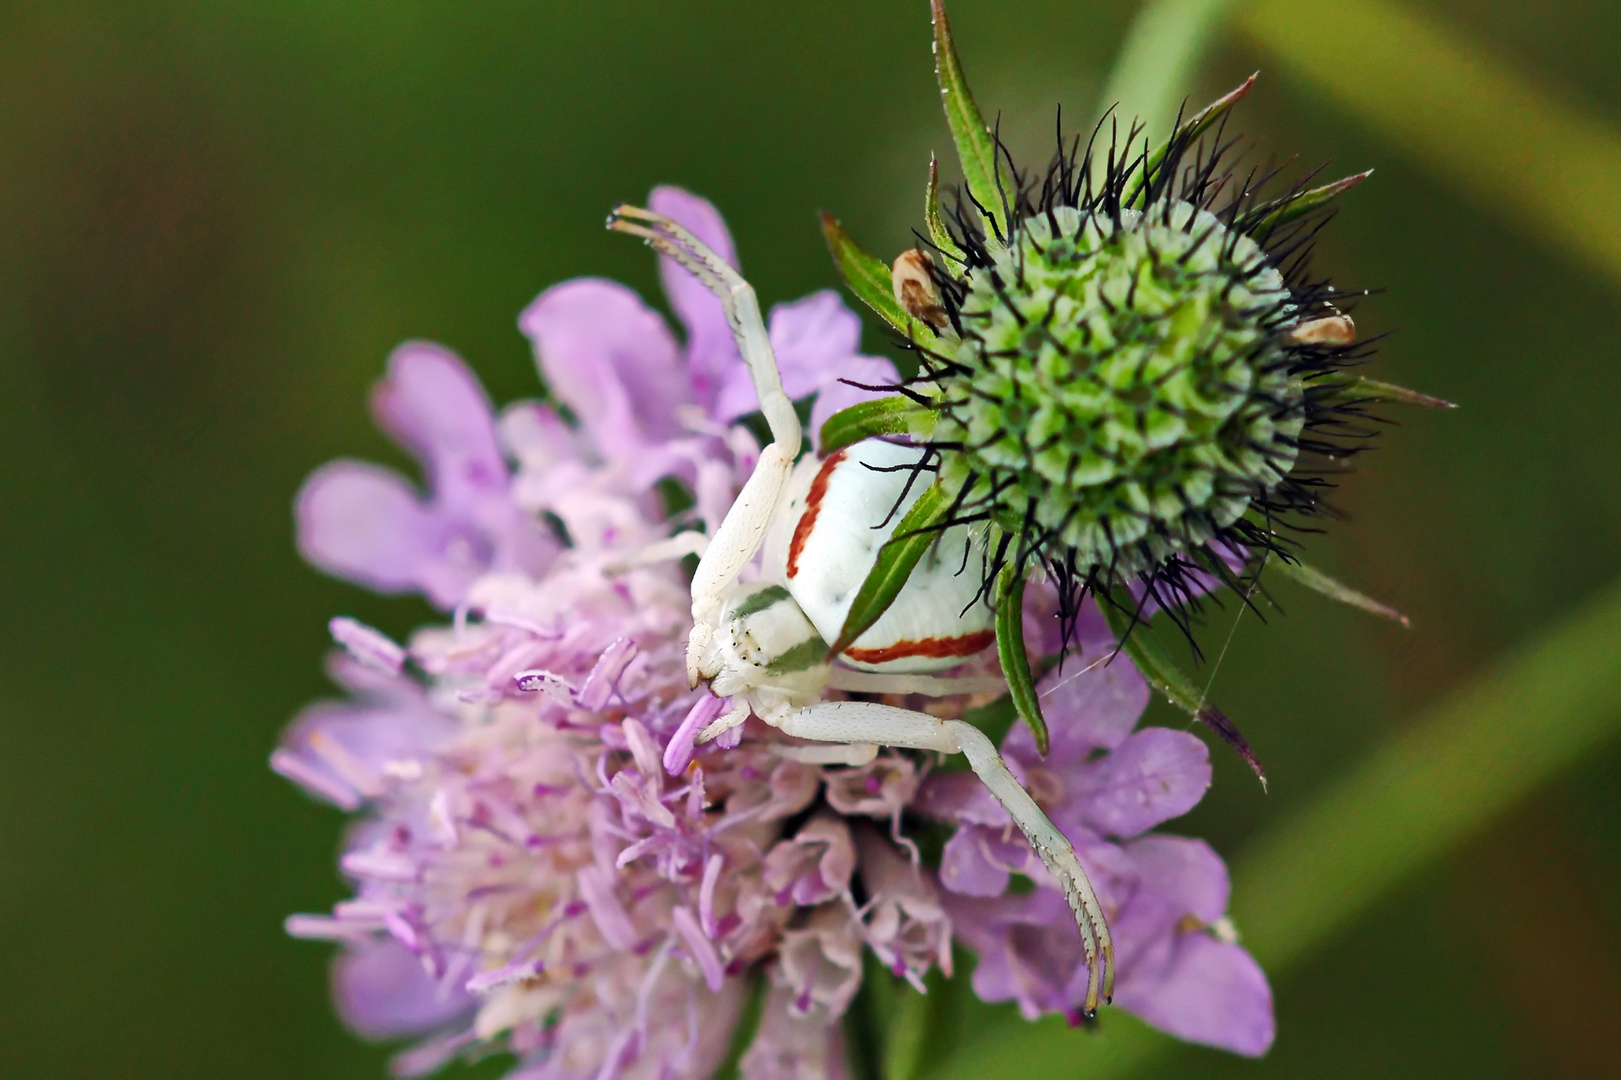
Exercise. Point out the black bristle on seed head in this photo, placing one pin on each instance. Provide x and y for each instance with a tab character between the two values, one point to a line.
1080	292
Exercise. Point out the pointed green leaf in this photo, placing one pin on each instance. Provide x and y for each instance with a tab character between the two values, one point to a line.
1188	131
1374	390
881	416
975	147
931	215
1015	662
1319	582
870	280
1293	207
1162	673
896	561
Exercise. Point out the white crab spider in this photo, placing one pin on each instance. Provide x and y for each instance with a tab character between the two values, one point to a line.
764	643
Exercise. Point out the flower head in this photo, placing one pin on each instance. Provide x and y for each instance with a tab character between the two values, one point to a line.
528	873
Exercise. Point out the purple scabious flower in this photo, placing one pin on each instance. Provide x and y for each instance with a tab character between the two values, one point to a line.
529	876
1105	785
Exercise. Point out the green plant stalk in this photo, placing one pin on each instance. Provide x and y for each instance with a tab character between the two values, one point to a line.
931	215
1474	122
863	420
1157	62
1438	782
905	1033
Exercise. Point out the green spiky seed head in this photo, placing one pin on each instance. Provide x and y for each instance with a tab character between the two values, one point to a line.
1128	379
1119	382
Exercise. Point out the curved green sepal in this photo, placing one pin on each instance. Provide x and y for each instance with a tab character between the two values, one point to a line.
931	215
1292	207
1319	582
881	416
1188	131
896	561
1015	662
975	147
1374	390
1163	675
870	280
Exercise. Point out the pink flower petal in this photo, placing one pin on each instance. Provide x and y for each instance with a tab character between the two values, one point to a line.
365	524
811	336
976	862
434	406
1155	775
1187	872
678	752
1089	706
611	359
1208	992
382	992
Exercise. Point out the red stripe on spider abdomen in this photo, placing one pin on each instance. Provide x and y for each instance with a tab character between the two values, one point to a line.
965	645
813	506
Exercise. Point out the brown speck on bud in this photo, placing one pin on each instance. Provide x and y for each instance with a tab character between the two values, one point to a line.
914	288
1329	330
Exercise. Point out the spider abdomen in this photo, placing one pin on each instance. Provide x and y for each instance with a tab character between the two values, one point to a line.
836	515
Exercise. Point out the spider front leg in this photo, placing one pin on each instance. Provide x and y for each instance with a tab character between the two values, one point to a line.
744	527
860	722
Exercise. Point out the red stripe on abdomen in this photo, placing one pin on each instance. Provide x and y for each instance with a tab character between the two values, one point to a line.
933	648
813	506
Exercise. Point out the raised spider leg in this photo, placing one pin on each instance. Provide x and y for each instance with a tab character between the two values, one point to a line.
744	527
866	722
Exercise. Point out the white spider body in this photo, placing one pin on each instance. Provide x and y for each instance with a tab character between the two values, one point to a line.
767	647
763	644
834	515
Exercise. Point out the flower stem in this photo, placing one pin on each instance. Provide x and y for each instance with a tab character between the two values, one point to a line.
906	1033
1157	62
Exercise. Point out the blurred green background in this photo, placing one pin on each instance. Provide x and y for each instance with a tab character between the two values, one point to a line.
216	219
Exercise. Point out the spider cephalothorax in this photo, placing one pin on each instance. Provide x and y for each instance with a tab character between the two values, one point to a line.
1127	377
